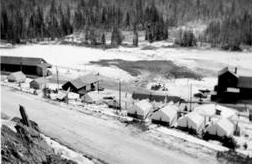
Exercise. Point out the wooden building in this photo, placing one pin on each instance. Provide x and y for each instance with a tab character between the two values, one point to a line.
232	87
82	85
28	65
155	96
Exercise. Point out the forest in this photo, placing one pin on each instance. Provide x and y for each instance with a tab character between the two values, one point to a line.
229	22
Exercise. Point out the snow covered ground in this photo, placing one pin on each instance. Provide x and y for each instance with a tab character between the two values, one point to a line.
73	61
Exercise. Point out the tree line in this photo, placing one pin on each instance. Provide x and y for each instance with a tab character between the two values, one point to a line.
23	20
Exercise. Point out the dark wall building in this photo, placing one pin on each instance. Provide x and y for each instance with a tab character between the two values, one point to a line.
29	66
232	87
82	85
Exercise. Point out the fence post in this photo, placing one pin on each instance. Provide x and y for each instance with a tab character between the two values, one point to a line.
24	116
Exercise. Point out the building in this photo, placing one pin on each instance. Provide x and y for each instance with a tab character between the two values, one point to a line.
38	83
214	110
140	110
17	77
165	116
221	128
29	66
155	96
82	85
232	87
193	121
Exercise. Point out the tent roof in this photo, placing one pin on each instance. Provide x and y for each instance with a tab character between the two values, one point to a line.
195	117
210	110
41	80
17	74
143	105
224	124
169	110
24	61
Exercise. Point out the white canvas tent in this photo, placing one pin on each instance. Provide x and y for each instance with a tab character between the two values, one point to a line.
87	99
140	110
166	115
18	77
222	127
215	110
193	121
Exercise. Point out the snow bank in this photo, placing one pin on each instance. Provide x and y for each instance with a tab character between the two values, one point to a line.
66	152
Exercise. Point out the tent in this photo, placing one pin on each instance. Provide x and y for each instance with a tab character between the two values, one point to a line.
61	96
191	121
87	99
18	77
221	128
166	115
215	110
38	83
140	110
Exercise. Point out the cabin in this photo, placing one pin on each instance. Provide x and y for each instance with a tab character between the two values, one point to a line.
17	77
166	116
140	110
232	87
38	83
28	65
83	84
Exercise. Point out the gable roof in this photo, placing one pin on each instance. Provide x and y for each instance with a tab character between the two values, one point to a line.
169	110
24	61
226	69
82	81
210	110
245	82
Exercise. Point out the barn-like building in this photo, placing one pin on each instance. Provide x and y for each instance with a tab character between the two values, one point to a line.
232	87
28	65
83	84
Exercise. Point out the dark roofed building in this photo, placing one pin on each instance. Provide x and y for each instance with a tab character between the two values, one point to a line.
28	65
82	85
233	87
155	96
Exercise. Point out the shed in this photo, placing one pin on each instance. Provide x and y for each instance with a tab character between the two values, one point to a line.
140	110
166	115
192	121
38	83
221	128
18	77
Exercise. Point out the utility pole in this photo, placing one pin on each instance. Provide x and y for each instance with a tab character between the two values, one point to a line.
120	94
57	76
191	98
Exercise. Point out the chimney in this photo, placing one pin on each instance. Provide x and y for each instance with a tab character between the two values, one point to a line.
235	70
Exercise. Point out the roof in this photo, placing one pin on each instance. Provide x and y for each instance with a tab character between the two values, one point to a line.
24	61
18	74
226	125
210	110
226	69
144	105
195	117
169	110
84	81
245	82
40	80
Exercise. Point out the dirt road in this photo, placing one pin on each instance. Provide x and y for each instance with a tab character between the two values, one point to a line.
106	140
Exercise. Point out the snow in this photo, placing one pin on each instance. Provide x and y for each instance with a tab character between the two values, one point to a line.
210	110
190	138
75	57
66	152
